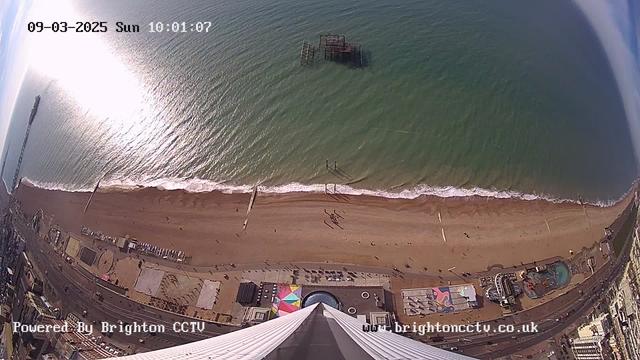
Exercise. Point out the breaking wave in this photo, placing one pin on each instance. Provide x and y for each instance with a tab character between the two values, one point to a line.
196	185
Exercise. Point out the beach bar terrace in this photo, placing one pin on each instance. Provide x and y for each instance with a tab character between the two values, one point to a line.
444	299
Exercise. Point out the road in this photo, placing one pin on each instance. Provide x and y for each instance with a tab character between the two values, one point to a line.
572	302
80	297
547	327
115	306
591	298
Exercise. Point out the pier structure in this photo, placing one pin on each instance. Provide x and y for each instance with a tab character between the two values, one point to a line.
34	110
4	163
4	159
336	48
254	194
95	189
307	53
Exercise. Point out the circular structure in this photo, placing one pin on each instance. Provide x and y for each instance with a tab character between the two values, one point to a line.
562	274
352	311
105	262
365	295
321	297
539	283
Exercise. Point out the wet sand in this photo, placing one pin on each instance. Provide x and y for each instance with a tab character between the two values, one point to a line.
480	232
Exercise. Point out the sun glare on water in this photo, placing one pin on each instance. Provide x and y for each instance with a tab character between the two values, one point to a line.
84	66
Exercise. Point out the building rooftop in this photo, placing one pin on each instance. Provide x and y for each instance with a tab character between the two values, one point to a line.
86	347
598	326
256	315
362	299
41	305
379	318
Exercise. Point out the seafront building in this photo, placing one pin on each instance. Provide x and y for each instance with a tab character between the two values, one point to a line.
315	332
36	311
78	346
589	348
599	326
592	343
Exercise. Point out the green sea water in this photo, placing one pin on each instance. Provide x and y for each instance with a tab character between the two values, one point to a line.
455	97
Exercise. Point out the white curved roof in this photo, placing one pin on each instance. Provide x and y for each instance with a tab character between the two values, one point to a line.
257	342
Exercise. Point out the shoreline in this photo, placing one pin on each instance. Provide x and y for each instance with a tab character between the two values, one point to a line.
195	186
381	232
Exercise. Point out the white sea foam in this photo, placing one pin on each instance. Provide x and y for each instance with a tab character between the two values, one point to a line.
196	185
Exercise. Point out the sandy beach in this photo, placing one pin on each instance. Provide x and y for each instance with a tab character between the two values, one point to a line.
480	232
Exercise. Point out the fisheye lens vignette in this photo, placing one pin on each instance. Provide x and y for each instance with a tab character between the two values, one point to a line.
305	180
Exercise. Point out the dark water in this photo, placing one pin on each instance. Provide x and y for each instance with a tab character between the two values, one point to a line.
457	97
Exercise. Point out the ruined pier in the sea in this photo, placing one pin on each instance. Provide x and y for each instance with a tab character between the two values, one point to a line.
307	53
335	48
